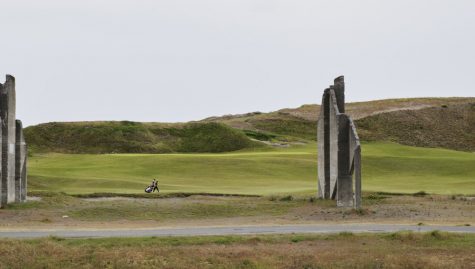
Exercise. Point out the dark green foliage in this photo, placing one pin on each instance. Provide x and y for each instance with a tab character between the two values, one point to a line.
135	137
287	198
211	137
153	195
258	135
287	125
420	193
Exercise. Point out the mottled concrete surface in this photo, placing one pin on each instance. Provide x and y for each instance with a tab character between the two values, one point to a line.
339	147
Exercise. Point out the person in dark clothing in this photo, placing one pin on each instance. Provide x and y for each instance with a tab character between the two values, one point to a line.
155	185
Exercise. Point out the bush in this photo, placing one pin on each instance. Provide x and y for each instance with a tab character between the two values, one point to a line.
287	198
420	194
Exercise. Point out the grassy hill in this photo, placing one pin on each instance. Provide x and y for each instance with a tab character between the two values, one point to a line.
426	122
448	126
387	167
252	167
135	137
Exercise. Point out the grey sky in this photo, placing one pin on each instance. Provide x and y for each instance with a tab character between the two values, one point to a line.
180	60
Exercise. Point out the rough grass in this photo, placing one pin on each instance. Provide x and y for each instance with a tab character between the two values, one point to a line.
167	209
346	250
387	167
425	122
135	137
447	127
428	122
197	210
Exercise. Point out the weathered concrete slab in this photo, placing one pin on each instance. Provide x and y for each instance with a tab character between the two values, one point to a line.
323	139
13	147
339	150
355	163
20	163
7	114
334	134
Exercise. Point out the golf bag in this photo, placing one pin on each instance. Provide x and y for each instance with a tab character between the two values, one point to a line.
149	189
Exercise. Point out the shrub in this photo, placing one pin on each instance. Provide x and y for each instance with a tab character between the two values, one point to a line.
287	198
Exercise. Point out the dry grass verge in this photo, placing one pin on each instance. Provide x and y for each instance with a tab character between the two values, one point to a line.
346	250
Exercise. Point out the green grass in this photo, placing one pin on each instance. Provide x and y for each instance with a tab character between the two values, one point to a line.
166	210
387	167
135	137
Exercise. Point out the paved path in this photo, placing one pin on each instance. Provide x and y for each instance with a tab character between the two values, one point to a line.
234	230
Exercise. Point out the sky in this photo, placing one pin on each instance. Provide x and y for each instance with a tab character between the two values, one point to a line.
181	60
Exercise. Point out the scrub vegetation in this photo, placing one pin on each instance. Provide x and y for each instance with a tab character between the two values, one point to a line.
135	137
425	122
397	250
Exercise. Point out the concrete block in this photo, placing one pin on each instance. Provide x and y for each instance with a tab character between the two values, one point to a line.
13	157
7	114
20	163
339	150
323	138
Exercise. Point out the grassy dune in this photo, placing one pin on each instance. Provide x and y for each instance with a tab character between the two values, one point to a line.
386	167
135	137
423	122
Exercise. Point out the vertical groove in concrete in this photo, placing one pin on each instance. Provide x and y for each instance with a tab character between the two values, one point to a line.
323	139
339	150
333	149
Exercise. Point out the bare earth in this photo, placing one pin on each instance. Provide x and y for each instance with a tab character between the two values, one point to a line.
120	212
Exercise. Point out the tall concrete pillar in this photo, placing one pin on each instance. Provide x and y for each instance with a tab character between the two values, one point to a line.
7	114
355	163
339	152
339	89
323	138
345	180
333	130
20	164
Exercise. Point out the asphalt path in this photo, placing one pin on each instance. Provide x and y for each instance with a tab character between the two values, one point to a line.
232	230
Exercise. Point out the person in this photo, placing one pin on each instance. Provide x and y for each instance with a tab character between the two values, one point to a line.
155	185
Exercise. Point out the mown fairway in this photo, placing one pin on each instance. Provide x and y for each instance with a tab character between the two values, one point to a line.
386	167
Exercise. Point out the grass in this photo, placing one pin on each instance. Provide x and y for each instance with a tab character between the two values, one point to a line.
398	250
387	167
450	127
424	122
183	209
428	122
171	210
135	137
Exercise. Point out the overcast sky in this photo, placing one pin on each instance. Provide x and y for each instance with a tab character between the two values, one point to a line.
181	60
